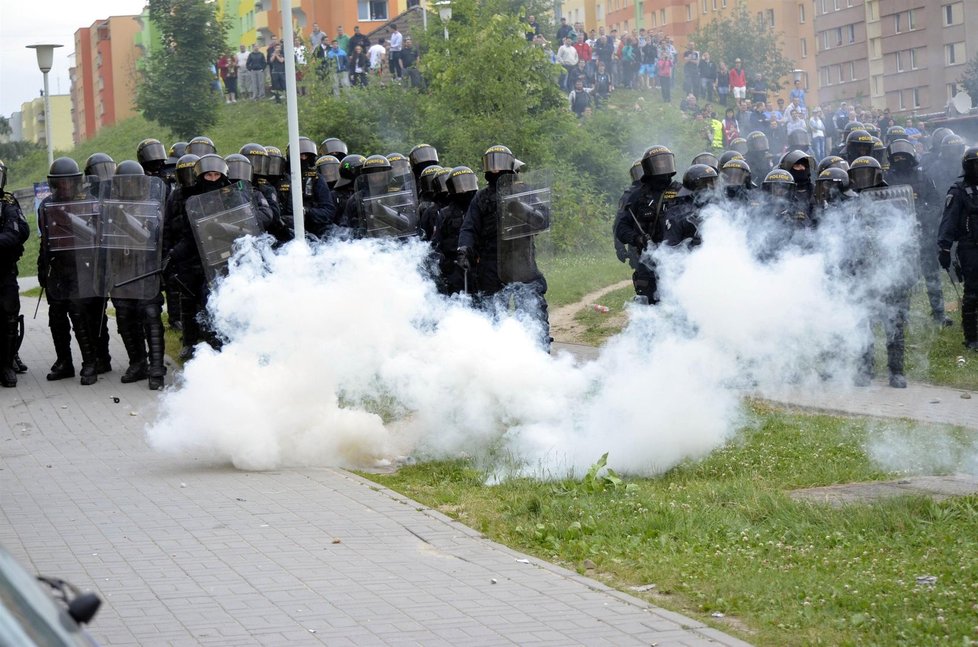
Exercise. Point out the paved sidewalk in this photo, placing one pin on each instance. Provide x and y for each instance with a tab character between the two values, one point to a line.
189	552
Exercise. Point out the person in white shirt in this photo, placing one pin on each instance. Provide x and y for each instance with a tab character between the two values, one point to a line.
376	54
396	44
567	56
244	79
817	126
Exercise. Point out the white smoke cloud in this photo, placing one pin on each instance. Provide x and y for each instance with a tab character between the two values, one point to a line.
344	355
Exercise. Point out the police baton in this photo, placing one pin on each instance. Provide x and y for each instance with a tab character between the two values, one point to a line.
37	307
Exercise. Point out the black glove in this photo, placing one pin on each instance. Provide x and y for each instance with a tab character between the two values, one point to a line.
641	241
462	258
944	258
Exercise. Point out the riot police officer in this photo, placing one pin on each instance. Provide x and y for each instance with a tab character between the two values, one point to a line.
801	166
318	203
503	267
426	196
684	215
959	224
421	157
333	146
462	185
635	172
440	198
758	154
642	222
832	188
14	232
737	182
350	167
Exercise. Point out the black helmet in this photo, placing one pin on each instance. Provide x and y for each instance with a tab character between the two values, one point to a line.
757	142
865	172
129	167
150	154
699	177
350	167
177	150
832	161
128	183
375	164
64	178
636	172
879	150
440	183
901	152
872	129
377	170
400	165
258	157
659	162
3	175
333	146
276	163
64	167
778	183
329	169
831	185
307	151
422	156
858	144
791	159
101	166
799	139
496	159
462	180
201	146
937	138
952	148
210	163
185	170
894	133
969	164
426	182
729	155
707	158
851	126
739	144
239	167
736	173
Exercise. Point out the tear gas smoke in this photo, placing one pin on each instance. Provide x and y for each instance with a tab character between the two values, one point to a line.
922	449
344	355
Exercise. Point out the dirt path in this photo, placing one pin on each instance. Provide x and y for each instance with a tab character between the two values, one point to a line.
563	327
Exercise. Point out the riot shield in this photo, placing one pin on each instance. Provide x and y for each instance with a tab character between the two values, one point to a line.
899	197
388	205
130	231
218	218
524	204
71	239
888	242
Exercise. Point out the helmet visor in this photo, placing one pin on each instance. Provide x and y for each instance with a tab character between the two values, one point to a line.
497	162
660	164
863	178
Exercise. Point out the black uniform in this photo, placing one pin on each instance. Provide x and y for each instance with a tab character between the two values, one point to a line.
444	240
13	233
642	222
683	220
622	251
959	224
185	267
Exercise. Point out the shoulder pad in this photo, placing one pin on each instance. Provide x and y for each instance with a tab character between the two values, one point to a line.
8	198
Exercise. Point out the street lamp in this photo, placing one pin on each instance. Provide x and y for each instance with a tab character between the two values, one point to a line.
45	57
445	13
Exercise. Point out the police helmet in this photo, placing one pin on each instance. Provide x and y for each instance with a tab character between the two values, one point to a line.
129	167
201	146
937	138
799	139
128	183
64	167
894	133
185	170
64	177
636	172
375	164
969	164
707	158
101	166
177	150
497	159
739	144
440	183
307	150
333	146
879	150
872	129
462	180
3	175
831	185
350	167
239	167
658	161
902	153
778	183
329	169
150	154
850	127
952	148
276	162
865	172
400	165
757	142
427	179
422	156
699	177
258	157
377	170
735	173
858	144
729	155
210	163
832	161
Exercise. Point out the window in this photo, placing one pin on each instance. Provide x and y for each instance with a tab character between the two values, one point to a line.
836	4
689	12
838	36
954	54
877	85
851	30
903	106
824	10
714	5
911	20
770	18
899	61
801	14
913	59
705	8
723	3
916	97
823	73
950	89
825	39
852	70
653	18
896	23
662	16
953	13
371	10
804	48
838	73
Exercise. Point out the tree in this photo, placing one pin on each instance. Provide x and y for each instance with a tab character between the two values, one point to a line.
176	87
749	38
970	78
4	126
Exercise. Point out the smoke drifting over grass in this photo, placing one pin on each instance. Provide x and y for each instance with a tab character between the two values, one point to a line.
344	355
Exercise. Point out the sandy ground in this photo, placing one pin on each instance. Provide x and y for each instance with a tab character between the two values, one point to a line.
564	328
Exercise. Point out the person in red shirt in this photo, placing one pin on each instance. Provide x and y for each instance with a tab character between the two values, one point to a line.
738	80
584	52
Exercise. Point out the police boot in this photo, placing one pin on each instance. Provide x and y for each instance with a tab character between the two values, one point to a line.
130	330
969	320
19	366
100	323
894	362
864	372
8	342
173	308
191	329
153	327
86	344
61	336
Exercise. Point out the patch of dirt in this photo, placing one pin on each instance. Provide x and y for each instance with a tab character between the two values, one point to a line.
564	328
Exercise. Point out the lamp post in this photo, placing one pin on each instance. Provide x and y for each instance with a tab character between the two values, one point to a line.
445	13
45	57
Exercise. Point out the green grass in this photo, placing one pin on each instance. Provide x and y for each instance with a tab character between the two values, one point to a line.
598	326
570	277
722	536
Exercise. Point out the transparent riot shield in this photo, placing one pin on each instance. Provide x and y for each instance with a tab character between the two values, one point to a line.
70	230
388	205
898	197
888	241
130	235
219	218
524	204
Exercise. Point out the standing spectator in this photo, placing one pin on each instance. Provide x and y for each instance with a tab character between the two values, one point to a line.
723	83
797	96
224	63
691	71
758	88
663	71
276	67
342	39
629	62
731	127
357	39
795	122
602	85
376	54
584	52
359	65
580	98
708	77
648	56
256	72
716	132
563	31
270	49
317	37
817	128
567	57
409	58
615	43
396	45
241	58
738	80
534	28
336	61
